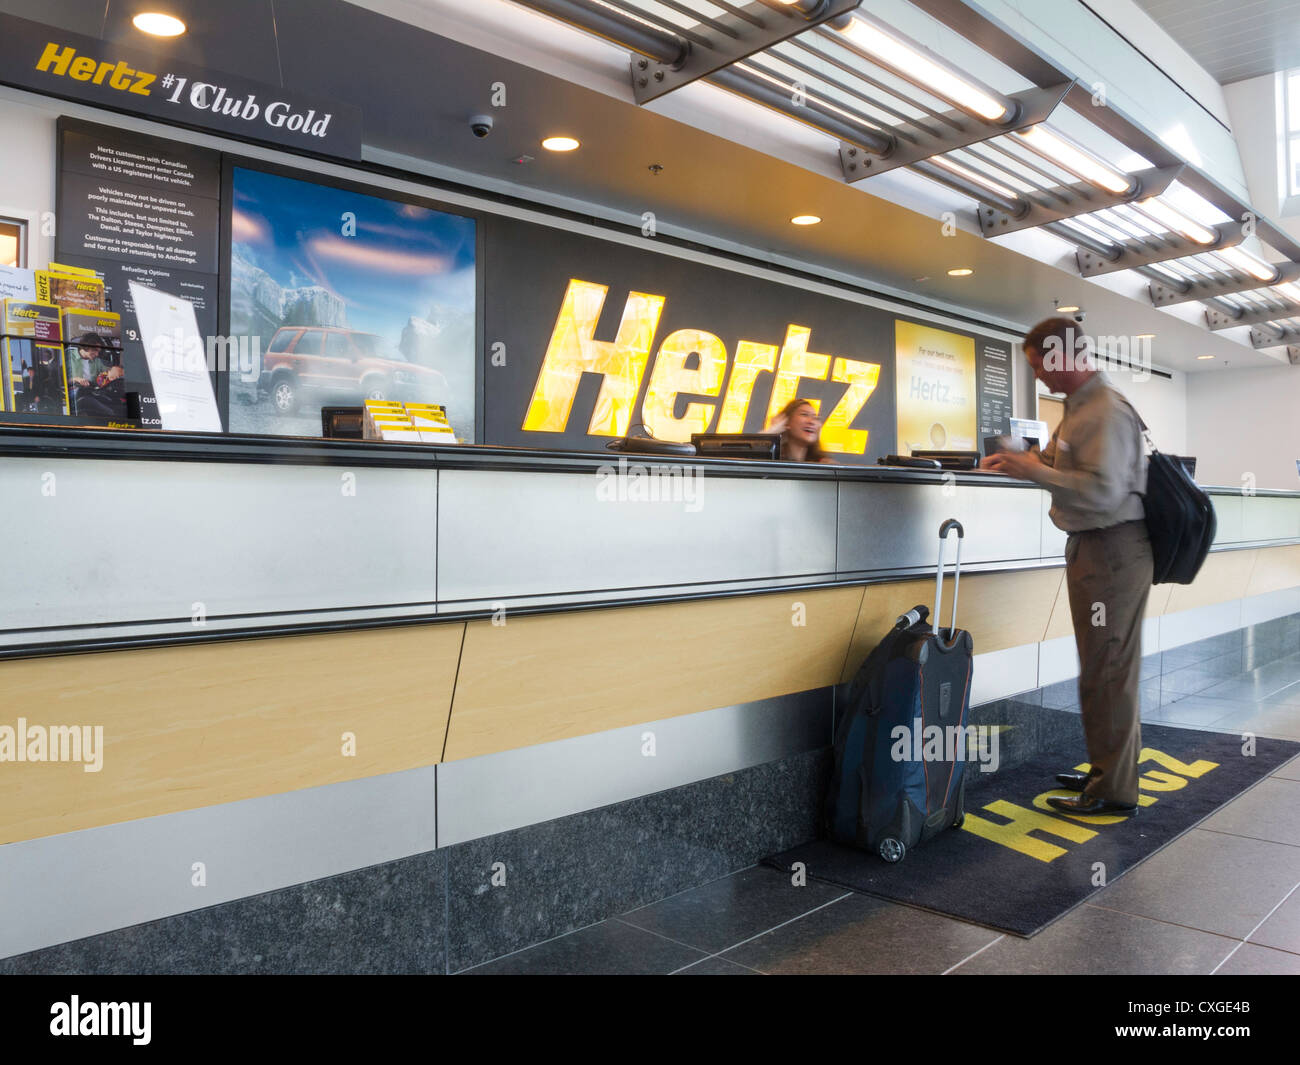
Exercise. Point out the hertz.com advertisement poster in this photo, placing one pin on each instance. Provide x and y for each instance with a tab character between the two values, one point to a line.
936	389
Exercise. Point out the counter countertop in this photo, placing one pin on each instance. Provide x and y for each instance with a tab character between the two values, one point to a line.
233	448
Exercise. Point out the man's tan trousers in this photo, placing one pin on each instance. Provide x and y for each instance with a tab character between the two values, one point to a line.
1108	575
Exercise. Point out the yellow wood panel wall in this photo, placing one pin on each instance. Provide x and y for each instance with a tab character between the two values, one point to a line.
1275	568
1224	576
538	679
1062	624
1000	610
197	725
201	724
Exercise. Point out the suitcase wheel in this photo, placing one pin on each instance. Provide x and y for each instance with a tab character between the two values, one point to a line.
891	849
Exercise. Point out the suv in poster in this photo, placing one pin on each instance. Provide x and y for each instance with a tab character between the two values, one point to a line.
329	364
337	296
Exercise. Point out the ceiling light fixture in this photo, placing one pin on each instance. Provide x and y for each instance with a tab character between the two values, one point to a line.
1056	149
561	144
910	61
805	220
157	24
1242	260
1067	310
1288	290
1145	336
961	271
1201	357
1176	221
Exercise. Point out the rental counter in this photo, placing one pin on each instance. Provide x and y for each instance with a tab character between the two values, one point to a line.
393	649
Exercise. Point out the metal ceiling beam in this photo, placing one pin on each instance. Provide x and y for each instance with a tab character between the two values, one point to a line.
1162	295
1083	198
668	49
1000	43
730	38
967	188
1079	240
811	111
1218	319
1157	249
617	28
915	143
1280	336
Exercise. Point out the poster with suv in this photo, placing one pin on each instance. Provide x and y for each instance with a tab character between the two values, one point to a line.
337	297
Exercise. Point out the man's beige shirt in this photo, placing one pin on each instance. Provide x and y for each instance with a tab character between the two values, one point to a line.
1097	467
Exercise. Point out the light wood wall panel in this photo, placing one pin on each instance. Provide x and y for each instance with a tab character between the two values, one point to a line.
1276	568
881	606
1061	624
198	725
1158	600
1224	576
543	678
1000	610
201	724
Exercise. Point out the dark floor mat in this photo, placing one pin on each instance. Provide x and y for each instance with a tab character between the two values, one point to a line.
1017	867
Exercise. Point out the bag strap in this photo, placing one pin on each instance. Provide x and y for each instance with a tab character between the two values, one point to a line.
1146	433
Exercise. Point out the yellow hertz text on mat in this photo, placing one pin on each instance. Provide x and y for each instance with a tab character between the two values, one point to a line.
1020	825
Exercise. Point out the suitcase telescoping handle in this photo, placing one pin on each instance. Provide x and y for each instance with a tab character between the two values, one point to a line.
944	529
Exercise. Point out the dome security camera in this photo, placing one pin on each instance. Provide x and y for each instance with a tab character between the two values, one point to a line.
480	125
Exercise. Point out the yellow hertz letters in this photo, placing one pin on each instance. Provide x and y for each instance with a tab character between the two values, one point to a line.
688	361
1019	824
66	63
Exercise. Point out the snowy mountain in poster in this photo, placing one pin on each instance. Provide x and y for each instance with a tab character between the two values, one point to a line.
349	296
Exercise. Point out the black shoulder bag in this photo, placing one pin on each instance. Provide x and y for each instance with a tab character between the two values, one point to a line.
1180	516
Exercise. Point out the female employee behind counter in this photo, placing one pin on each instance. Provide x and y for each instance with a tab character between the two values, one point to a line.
801	432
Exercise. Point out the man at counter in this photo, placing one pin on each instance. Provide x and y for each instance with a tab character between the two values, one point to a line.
1095	470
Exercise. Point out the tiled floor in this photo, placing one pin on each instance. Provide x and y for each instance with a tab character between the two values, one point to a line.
1224	898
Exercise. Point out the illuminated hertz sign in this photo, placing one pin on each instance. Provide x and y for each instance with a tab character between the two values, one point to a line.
689	361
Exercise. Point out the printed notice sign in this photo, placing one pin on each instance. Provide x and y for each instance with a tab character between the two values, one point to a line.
994	388
175	353
138	208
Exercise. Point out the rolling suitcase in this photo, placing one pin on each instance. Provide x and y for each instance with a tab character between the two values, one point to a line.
899	780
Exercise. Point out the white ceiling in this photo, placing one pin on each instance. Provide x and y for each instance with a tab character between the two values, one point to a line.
1233	39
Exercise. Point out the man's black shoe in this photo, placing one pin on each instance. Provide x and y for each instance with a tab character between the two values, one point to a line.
1073	781
1087	804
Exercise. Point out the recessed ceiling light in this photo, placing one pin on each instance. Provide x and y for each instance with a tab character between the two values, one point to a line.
560	144
805	219
1067	310
1205	356
961	271
1146	336
157	24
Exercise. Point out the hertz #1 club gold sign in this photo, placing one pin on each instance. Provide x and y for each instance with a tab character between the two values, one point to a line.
622	364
